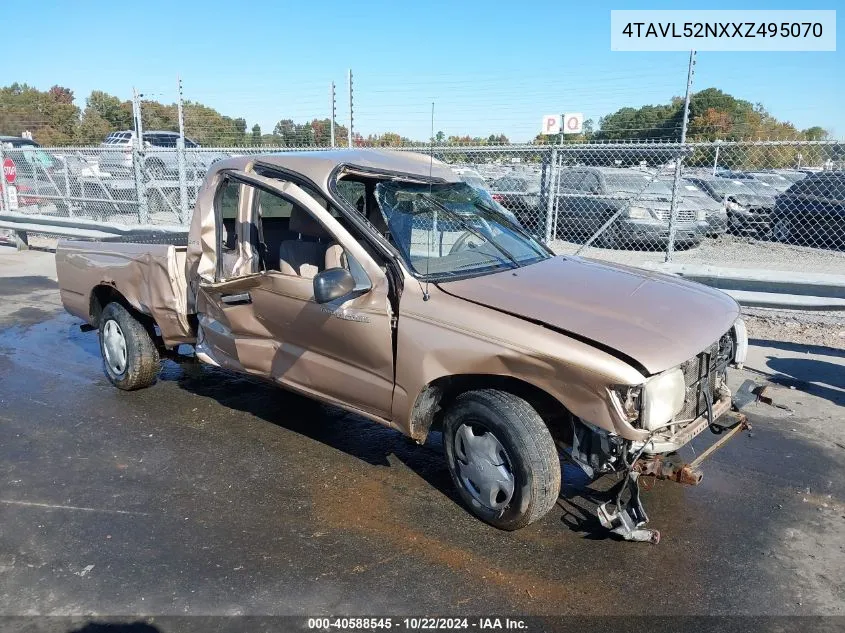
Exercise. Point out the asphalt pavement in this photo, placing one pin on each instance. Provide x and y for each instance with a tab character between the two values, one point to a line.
211	493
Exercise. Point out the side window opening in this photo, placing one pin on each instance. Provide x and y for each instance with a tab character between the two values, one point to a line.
355	193
289	239
227	201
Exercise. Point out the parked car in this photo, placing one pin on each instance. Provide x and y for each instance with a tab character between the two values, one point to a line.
793	175
16	142
471	177
589	196
812	211
748	212
39	178
777	181
157	162
508	349
759	187
716	217
521	195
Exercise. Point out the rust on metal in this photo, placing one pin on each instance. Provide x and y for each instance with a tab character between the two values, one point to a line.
669	467
665	467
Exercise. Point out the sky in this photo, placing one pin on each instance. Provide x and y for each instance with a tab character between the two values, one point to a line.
488	67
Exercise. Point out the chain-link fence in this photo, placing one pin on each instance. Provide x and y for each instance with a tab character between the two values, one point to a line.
739	204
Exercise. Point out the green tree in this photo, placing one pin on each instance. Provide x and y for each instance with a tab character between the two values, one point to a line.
256	135
117	113
816	133
50	115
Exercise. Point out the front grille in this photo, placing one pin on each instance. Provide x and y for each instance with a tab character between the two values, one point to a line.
684	216
700	376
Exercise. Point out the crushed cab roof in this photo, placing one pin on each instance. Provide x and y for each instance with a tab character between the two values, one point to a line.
317	166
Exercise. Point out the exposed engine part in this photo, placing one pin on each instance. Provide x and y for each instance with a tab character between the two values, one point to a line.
669	467
595	450
628	516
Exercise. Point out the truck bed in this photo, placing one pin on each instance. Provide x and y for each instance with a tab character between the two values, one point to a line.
149	277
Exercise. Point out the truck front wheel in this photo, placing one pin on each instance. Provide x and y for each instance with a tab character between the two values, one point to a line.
501	457
130	357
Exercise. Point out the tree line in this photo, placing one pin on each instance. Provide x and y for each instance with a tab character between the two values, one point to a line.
52	118
713	115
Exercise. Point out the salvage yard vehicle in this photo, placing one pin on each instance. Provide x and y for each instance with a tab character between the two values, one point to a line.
748	211
812	211
424	309
640	205
158	156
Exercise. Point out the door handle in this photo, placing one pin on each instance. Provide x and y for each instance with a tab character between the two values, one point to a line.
236	299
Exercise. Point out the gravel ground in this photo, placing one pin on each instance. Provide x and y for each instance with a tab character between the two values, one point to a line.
727	251
826	329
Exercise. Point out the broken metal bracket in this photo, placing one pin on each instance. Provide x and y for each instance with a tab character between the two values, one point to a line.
740	424
628	517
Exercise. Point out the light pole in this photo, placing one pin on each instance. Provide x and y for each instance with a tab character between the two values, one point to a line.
716	159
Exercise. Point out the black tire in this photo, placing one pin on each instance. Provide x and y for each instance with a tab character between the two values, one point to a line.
138	364
530	455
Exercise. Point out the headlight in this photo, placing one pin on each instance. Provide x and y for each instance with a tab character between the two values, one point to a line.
733	206
638	213
663	398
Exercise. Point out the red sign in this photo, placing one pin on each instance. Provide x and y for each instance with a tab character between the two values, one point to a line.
10	172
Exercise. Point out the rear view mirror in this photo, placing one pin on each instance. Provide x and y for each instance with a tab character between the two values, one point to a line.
332	284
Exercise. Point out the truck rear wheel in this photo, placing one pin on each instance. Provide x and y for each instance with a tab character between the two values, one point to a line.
501	457
130	357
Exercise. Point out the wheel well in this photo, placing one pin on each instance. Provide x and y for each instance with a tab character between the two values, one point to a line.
105	294
437	395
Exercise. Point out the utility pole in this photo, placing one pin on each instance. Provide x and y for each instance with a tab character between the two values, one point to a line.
673	209
136	111
334	110
137	159
180	156
350	108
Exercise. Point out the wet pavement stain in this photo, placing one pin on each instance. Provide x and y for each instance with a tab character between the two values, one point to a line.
245	497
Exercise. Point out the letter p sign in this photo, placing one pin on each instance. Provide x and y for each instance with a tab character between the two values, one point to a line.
551	124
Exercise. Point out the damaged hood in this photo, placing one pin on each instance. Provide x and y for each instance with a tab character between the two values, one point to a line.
657	320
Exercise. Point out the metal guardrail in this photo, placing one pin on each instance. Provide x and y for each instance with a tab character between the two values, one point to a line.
23	224
754	288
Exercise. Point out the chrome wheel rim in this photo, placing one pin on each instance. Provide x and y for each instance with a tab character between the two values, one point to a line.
114	347
484	467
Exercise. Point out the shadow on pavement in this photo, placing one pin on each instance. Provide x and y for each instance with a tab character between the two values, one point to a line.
802	348
366	440
817	377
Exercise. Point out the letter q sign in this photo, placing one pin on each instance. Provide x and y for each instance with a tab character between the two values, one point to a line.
573	123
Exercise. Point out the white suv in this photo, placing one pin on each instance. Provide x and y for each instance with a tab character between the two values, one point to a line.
157	161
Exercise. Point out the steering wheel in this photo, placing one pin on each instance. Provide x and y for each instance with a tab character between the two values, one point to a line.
468	240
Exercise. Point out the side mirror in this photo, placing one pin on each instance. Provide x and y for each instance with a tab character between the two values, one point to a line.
332	284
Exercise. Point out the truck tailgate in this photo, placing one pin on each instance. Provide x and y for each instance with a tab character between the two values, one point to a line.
151	277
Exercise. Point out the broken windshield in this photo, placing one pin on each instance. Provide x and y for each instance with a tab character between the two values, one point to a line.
449	230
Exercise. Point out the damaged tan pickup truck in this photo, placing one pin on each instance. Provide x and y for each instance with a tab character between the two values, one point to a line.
380	283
